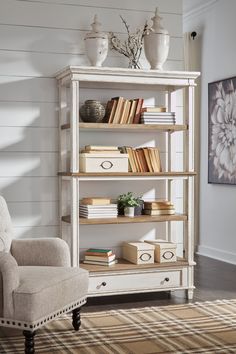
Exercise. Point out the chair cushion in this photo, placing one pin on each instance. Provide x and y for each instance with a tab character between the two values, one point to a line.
44	290
6	229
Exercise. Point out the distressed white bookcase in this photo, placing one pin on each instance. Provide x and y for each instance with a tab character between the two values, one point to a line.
125	277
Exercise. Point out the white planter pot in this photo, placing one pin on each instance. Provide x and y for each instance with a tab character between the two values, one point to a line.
96	44
129	211
156	44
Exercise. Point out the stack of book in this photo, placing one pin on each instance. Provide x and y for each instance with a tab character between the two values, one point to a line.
158	207
146	159
99	256
123	111
157	115
97	207
100	149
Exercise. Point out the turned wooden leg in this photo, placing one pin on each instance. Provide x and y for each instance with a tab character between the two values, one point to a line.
76	318
29	342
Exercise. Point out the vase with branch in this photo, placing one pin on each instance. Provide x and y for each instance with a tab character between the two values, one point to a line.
132	46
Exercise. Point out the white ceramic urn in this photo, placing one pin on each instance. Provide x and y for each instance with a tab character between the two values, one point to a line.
156	43
96	44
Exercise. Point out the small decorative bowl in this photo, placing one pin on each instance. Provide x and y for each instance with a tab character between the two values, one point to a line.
92	111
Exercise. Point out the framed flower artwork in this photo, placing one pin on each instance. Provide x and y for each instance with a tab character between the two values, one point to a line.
222	131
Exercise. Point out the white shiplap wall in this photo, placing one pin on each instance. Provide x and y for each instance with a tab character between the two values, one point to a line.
38	38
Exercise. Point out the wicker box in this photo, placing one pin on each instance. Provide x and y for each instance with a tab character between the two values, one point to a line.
164	251
99	163
138	252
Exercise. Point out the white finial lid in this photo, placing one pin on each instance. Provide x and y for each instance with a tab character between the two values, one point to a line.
157	27
96	30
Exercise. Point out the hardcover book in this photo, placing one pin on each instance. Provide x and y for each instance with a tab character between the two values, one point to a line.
154	109
137	114
100	147
101	263
159	212
158	203
106	259
96	201
117	114
98	251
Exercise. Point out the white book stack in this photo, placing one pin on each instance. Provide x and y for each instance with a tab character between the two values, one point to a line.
98	211
157	118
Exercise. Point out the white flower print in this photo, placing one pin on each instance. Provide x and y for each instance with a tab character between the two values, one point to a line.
222	142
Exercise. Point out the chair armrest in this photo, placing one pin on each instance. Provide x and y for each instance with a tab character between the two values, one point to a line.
41	252
9	277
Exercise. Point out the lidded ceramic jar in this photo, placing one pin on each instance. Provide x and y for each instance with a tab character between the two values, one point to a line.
92	111
96	44
156	43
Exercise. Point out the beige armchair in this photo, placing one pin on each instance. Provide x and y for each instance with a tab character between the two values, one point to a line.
37	283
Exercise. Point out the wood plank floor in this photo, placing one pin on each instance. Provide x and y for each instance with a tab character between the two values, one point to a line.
214	280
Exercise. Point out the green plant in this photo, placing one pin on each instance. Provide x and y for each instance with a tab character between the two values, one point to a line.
128	200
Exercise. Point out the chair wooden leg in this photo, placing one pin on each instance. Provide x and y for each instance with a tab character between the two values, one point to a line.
29	342
76	318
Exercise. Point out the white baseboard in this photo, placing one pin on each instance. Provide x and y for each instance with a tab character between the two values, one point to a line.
215	253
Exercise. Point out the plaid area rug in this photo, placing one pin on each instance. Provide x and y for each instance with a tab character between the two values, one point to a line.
207	327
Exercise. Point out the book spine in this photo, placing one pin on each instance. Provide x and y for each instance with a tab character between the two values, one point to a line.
137	114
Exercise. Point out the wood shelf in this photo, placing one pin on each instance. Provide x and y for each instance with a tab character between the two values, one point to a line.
128	220
128	174
129	127
123	265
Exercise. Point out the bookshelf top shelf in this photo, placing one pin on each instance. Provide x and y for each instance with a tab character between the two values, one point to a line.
106	76
129	127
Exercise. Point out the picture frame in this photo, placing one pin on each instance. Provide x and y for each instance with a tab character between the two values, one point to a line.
222	131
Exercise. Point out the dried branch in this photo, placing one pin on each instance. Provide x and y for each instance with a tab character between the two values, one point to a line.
132	47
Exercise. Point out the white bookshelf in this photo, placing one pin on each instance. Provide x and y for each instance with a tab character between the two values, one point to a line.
124	277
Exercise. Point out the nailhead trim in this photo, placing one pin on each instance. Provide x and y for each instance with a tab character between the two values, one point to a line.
29	325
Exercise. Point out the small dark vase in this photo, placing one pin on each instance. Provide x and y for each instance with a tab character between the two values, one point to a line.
92	111
138	210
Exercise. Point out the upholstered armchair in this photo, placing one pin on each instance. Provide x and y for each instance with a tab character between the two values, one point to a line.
37	283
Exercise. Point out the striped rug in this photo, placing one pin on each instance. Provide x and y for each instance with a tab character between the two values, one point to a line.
207	327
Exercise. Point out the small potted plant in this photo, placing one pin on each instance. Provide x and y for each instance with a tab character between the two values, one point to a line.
129	205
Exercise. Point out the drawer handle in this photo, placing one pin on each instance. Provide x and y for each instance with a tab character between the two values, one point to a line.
145	257
166	279
106	165
102	284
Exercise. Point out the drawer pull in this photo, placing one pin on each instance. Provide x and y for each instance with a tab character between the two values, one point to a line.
166	279
102	284
106	165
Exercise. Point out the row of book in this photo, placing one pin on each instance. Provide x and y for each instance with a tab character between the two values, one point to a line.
146	159
123	111
103	207
99	256
158	118
158	207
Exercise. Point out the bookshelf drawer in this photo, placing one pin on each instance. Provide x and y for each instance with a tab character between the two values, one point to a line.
129	282
95	163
